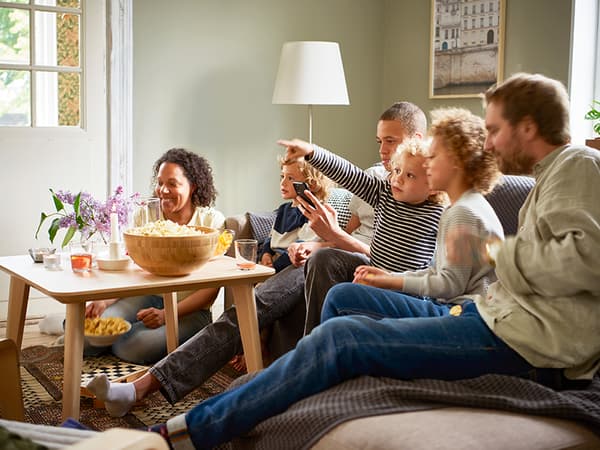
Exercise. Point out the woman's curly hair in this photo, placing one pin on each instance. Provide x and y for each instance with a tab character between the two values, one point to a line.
196	169
463	134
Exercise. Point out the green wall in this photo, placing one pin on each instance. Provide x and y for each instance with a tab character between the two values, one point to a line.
537	40
204	72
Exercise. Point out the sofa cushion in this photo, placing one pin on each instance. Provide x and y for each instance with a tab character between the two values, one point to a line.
507	198
458	428
261	224
339	199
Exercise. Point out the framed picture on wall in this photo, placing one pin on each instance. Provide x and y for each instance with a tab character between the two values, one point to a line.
467	47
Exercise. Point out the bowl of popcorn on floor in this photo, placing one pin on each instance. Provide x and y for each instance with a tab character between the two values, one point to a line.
104	331
169	249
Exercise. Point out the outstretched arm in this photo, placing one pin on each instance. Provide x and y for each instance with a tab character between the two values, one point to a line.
296	148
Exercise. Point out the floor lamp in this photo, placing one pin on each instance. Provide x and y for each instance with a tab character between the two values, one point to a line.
310	73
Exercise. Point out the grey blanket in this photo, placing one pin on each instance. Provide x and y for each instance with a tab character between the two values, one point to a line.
305	422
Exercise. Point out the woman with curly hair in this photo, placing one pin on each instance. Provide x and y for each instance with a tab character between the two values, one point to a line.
183	182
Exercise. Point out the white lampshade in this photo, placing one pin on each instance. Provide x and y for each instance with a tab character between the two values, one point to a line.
310	73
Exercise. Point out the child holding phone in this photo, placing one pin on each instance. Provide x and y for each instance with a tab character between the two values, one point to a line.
290	224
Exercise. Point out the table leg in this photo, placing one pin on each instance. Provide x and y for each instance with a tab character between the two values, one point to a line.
171	322
18	296
245	306
73	359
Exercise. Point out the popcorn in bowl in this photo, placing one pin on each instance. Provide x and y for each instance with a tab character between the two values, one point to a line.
165	228
168	249
104	331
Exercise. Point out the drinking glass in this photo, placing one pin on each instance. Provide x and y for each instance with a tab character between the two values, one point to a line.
147	210
81	256
245	253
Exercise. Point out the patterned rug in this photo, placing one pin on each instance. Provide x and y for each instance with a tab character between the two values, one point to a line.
41	382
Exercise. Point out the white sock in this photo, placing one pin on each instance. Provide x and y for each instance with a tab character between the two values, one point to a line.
117	397
53	324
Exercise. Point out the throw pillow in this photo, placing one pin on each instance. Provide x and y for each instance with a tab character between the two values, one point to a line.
261	224
339	199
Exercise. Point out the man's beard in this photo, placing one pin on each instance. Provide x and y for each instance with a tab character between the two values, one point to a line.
515	161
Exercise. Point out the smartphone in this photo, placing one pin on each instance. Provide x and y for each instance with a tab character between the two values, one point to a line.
300	187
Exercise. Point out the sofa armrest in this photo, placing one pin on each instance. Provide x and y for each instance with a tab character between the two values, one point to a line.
240	224
122	439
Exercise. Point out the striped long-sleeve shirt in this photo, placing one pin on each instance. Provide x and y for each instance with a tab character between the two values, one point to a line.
405	235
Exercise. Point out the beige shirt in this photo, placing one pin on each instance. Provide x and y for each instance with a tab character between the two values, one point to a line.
546	302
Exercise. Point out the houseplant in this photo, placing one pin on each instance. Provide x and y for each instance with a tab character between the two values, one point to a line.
594	114
82	213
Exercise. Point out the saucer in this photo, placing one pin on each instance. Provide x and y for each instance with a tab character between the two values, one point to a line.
113	264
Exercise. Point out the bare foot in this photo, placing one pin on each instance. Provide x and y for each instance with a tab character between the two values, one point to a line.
238	362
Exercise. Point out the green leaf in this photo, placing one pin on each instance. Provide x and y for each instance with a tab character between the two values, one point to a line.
592	115
57	203
43	217
597	128
76	204
68	236
54	227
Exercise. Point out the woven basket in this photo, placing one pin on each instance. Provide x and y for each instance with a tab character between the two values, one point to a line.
172	255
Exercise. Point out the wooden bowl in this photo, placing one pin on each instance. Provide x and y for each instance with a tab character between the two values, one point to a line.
172	255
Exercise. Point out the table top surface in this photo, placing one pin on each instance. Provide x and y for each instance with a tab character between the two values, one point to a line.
67	286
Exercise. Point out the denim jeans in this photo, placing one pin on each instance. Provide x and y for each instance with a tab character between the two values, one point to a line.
442	347
192	363
142	345
324	269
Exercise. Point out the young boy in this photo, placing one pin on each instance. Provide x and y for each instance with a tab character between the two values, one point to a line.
290	225
407	214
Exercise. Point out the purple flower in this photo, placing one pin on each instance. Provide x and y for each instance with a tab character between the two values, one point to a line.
93	215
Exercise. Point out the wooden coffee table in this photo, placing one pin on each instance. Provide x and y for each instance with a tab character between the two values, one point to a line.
74	289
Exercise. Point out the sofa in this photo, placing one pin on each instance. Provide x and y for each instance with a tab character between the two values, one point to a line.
448	427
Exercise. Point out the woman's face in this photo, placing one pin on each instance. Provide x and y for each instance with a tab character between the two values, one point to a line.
174	189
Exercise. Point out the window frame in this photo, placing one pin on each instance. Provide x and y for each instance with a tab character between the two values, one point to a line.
33	69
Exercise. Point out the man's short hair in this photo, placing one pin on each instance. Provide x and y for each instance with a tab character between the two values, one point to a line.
542	99
412	118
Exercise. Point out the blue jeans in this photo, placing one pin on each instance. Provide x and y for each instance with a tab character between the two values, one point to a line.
142	345
430	344
192	363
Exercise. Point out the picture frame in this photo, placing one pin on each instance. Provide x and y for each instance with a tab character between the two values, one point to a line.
466	47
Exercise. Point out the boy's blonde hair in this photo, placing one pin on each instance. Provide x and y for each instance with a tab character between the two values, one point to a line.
319	184
463	134
419	147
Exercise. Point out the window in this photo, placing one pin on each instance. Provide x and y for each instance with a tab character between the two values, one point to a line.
584	77
490	21
481	9
491	5
481	22
465	24
446	33
40	64
466	10
473	9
